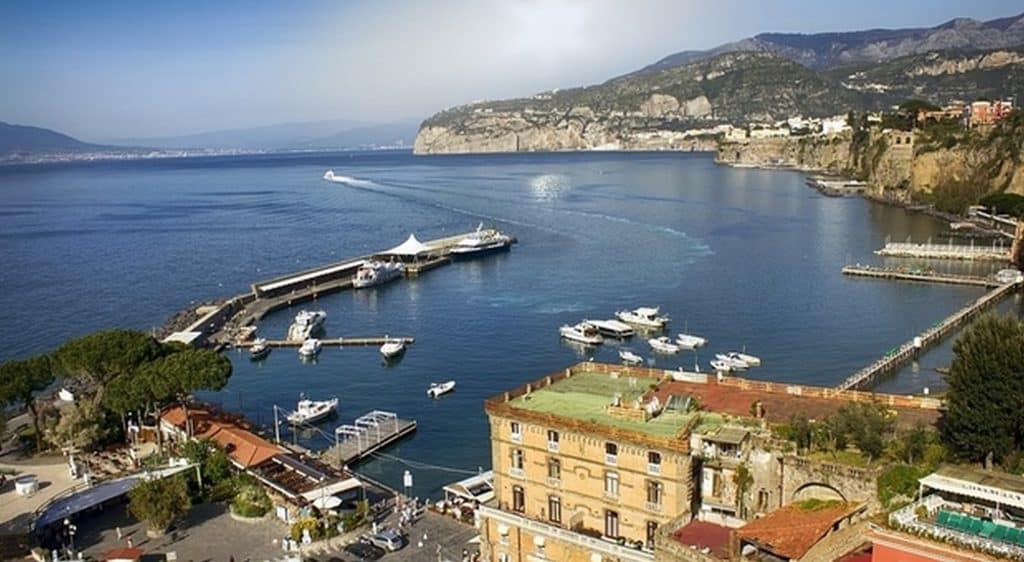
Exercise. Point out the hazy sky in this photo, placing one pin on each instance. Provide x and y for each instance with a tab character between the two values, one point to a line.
101	70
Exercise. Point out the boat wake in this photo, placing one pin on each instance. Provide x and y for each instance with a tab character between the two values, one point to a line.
348	180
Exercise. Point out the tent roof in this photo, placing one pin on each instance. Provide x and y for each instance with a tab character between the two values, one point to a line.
411	247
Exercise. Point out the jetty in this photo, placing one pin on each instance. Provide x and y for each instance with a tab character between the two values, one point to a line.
918	275
339	342
995	252
366	435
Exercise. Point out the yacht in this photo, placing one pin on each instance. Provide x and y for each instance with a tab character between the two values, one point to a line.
310	348
733	360
663	345
612	328
375	272
311	411
392	348
437	389
306	324
259	350
630	358
582	332
645	317
482	242
690	341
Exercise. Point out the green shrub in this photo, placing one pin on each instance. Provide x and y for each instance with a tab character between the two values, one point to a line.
898	481
251	501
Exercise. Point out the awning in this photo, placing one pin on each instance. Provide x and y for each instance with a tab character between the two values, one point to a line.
411	247
332	489
475	488
967	488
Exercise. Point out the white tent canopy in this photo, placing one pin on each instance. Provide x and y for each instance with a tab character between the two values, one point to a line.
331	489
411	248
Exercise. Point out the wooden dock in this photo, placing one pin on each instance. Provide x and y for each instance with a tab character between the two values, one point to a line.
339	342
899	356
368	434
904	274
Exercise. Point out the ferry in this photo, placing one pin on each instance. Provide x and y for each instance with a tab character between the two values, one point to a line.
583	333
480	243
645	317
437	389
612	328
663	345
259	350
306	323
376	272
310	348
311	411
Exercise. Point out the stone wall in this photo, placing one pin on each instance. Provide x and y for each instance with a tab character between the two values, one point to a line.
805	479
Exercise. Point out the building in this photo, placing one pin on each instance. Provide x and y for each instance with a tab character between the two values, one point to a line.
804	531
983	113
834	125
605	462
951	112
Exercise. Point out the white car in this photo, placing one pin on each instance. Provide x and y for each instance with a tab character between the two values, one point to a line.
389	539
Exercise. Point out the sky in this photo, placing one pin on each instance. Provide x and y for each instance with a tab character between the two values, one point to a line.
104	70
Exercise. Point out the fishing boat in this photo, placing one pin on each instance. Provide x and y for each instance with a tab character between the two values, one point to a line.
259	350
645	317
310	348
613	328
375	272
663	345
630	358
690	341
306	323
437	389
480	243
583	333
392	348
311	411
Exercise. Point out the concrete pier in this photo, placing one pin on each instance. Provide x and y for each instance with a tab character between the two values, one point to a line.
339	342
994	252
368	434
905	274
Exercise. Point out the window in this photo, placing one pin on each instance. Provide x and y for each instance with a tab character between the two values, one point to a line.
654	490
517	458
611	524
762	500
611	484
518	499
716	484
652	528
654	462
611	453
517	431
555	509
554	469
552	440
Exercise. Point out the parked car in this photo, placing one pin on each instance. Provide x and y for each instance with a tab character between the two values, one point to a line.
388	539
365	551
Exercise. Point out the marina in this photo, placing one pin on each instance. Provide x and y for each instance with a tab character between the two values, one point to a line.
331	342
368	434
995	252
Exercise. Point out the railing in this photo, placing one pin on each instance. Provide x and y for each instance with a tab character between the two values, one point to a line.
611	459
516	473
653	468
654	507
554	482
553	446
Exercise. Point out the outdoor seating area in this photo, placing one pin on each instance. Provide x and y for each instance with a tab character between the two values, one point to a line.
946	523
983	528
102	465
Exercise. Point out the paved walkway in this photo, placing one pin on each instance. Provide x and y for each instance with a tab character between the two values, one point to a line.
425	536
16	511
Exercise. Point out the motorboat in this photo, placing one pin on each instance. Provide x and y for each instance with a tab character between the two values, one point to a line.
259	350
663	345
329	175
583	333
437	389
613	328
630	358
375	272
306	323
722	366
690	341
392	348
645	317
750	360
481	242
310	348
733	360
311	411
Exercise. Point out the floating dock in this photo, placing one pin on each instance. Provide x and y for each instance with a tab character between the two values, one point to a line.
995	252
368	434
903	274
339	342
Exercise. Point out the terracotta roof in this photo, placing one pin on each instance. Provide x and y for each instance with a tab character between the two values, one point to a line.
123	554
792	530
705	535
244	447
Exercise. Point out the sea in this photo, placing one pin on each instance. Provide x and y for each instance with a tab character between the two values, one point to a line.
748	258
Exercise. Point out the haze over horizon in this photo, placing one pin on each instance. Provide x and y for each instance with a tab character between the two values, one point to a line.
108	70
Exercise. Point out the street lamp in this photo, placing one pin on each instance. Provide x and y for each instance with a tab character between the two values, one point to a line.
70	528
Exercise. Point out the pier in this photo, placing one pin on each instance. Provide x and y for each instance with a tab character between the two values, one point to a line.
995	252
899	356
368	434
905	274
339	342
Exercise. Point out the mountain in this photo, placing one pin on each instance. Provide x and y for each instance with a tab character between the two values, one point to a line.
823	51
367	136
23	139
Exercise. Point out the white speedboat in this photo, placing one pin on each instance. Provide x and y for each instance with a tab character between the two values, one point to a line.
437	389
329	175
732	358
375	272
306	323
582	333
482	242
392	348
310	348
690	341
722	366
613	328
311	411
645	317
630	358
259	350
663	345
750	360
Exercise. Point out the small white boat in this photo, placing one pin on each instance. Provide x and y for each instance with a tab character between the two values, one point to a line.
583	333
645	316
259	350
311	411
310	348
376	272
437	389
690	341
613	328
733	360
306	323
722	366
750	360
663	345
630	358
392	348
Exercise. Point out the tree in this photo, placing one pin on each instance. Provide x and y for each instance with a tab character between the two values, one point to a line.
182	373
159	501
80	425
802	431
214	464
19	383
913	444
103	356
985	401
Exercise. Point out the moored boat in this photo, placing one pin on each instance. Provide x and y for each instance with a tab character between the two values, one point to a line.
437	389
690	341
733	360
722	366
630	358
311	411
306	323
392	348
613	328
310	348
259	350
645	317
663	345
375	272
481	242
583	333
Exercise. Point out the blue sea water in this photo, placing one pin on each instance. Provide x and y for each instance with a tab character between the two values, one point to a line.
743	257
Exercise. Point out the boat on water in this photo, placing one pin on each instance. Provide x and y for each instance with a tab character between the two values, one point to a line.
310	348
690	341
663	345
722	366
375	272
645	317
750	360
392	348
481	242
311	411
630	358
583	333
306	323
733	360
259	350
437	389
613	328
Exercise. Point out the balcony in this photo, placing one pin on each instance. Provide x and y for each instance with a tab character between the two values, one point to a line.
653	507
653	468
517	473
553	446
517	437
554	482
612	496
611	459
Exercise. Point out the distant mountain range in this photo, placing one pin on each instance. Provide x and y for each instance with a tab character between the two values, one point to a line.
24	139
